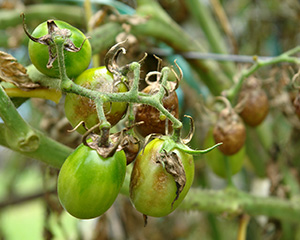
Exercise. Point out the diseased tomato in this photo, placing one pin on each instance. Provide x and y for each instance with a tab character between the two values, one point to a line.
75	62
154	191
78	108
256	105
229	130
151	116
215	159
88	184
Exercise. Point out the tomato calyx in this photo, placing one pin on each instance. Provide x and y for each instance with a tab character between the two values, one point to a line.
107	144
53	32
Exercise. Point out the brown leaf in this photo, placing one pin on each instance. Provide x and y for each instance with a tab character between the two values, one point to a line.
13	72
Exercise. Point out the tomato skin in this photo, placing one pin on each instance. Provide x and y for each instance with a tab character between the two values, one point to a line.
78	108
256	107
150	116
75	62
152	189
88	184
215	158
229	130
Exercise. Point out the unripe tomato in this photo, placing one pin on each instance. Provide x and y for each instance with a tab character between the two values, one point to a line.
151	116
88	184
78	108
75	62
152	188
229	130
215	159
256	106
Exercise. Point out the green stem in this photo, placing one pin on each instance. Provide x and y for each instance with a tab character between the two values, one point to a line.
19	136
284	57
42	12
228	171
12	119
159	25
202	14
235	202
59	152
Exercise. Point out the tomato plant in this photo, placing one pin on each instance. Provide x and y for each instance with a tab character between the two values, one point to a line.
78	108
88	184
77	57
153	190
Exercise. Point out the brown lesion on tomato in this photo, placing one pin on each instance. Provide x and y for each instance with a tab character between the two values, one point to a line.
173	166
230	130
135	180
151	116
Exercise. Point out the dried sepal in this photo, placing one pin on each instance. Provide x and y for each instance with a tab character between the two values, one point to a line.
53	30
190	135
13	72
111	57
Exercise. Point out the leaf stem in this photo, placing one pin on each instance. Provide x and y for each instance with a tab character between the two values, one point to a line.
284	57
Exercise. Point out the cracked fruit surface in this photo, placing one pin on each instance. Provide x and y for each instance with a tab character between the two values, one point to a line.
153	190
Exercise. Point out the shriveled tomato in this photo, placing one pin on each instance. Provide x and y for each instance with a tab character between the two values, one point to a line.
151	116
78	108
256	103
75	62
230	130
88	184
154	191
215	159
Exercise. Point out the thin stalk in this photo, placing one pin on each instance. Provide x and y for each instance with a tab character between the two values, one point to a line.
159	25
242	233
284	57
228	172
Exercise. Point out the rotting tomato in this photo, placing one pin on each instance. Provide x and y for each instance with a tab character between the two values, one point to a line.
151	116
230	130
256	104
88	184
78	108
154	191
75	62
215	159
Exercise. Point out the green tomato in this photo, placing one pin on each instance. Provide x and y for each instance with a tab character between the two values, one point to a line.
215	159
78	108
75	62
88	184
152	188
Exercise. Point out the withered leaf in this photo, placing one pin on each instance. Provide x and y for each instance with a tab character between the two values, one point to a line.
13	72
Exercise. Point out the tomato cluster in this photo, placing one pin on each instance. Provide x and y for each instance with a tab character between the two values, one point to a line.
163	172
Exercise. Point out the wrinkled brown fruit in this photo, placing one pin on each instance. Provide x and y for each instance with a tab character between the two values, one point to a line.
256	106
150	116
131	147
230	130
